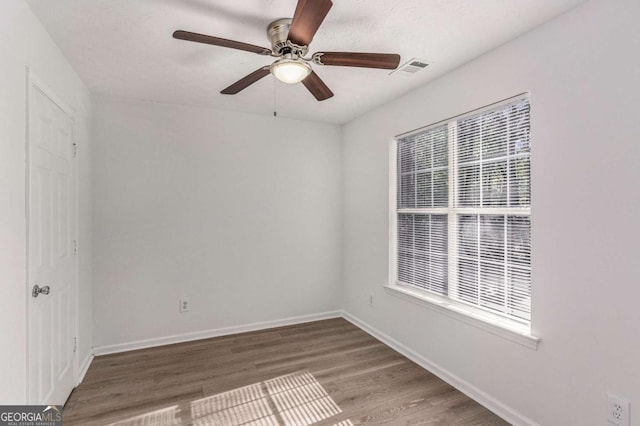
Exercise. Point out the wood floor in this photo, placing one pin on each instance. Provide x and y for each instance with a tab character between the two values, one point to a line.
322	373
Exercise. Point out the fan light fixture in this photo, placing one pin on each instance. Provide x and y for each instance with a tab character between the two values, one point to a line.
290	71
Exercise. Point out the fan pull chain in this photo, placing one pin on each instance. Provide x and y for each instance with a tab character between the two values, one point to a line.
275	113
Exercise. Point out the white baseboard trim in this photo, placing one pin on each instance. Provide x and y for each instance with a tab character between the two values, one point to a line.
206	334
84	367
507	413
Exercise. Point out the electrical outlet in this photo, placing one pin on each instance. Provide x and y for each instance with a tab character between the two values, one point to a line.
185	305
617	410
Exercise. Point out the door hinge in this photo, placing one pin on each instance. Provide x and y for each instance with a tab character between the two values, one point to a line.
75	247
75	149
75	344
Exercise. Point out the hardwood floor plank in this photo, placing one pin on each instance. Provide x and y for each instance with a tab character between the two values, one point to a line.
328	373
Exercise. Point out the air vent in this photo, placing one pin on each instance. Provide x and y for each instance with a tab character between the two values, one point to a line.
410	67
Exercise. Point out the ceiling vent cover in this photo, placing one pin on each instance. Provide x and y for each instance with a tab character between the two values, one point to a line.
411	67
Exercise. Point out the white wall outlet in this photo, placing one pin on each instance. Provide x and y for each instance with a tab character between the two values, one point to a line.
185	304
618	410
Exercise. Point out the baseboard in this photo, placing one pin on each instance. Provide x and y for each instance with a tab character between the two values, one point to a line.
206	334
84	367
500	409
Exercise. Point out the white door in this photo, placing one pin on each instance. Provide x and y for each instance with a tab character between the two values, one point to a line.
51	260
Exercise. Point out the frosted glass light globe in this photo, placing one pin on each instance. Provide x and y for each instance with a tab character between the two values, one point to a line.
290	71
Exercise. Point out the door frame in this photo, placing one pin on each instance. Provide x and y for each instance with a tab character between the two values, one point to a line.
32	79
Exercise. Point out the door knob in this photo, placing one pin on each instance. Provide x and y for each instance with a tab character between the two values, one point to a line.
37	290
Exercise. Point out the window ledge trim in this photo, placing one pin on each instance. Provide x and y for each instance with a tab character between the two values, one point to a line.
501	327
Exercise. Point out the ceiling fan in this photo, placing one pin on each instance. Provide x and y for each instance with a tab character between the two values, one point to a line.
290	39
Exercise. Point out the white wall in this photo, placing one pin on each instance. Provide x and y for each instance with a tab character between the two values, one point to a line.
24	42
582	71
239	212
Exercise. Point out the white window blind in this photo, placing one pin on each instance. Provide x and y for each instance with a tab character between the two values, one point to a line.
463	209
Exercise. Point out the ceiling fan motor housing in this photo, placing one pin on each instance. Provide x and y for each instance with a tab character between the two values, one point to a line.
278	31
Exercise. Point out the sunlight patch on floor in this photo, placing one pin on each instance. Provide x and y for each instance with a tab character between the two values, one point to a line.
345	423
301	400
165	417
241	406
293	400
296	399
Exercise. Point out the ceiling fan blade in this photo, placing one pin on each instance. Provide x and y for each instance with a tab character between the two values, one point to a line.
306	20
223	42
247	81
316	86
388	61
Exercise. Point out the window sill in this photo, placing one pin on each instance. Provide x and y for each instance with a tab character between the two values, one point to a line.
500	326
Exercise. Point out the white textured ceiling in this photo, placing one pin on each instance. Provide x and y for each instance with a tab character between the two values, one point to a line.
124	48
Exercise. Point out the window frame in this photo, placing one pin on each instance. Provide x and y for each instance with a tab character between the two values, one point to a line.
504	326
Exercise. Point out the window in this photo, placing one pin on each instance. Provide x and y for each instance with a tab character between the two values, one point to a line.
462	213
